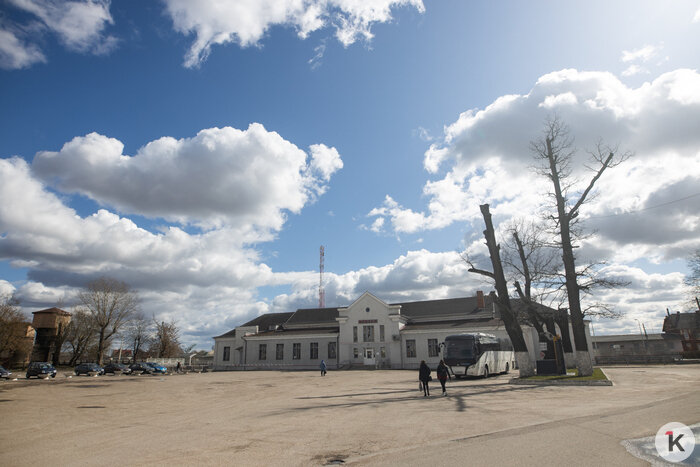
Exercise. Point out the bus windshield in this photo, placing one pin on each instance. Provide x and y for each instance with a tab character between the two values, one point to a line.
459	349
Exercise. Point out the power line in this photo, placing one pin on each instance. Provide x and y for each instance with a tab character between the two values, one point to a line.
645	209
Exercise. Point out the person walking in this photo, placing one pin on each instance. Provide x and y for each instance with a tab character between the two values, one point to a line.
424	377
443	373
179	367
323	368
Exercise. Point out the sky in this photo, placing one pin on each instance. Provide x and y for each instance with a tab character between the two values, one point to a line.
202	151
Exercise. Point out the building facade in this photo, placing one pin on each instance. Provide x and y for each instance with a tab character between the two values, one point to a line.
369	333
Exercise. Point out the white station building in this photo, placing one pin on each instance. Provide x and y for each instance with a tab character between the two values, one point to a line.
367	334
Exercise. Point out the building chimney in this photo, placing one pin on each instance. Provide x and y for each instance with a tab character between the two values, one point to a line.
480	303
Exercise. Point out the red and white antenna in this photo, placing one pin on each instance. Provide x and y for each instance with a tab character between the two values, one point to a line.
321	292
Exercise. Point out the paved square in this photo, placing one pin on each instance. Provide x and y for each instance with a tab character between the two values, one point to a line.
359	417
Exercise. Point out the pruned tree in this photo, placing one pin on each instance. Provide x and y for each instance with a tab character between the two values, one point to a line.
166	339
111	304
509	317
554	153
529	257
11	322
80	335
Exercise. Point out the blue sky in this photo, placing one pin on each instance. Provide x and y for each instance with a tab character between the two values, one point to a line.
376	132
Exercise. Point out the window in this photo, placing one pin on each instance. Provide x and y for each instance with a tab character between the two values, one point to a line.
411	348
381	333
331	350
354	333
313	348
367	333
279	355
382	352
262	352
227	354
355	353
296	351
433	349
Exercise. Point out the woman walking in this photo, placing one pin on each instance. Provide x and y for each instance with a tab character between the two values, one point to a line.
424	377
443	373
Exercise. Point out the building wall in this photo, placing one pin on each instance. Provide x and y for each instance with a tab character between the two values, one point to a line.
368	311
365	311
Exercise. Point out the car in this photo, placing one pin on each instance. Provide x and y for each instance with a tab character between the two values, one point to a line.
41	370
5	373
115	368
157	367
89	369
140	367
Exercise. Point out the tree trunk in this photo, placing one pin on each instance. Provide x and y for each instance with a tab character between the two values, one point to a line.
582	356
100	347
512	326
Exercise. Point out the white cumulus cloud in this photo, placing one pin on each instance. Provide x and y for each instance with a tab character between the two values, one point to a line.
79	25
221	176
219	22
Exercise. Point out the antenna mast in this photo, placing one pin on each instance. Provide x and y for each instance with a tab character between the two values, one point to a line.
321	292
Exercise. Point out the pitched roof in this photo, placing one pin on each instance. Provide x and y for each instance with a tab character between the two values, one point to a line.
264	322
446	307
55	310
313	316
679	321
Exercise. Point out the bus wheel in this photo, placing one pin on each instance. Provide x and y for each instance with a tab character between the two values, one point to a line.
486	372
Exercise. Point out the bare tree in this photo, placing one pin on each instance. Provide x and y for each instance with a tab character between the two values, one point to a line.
111	304
508	316
166	340
80	335
692	280
11	322
139	334
555	153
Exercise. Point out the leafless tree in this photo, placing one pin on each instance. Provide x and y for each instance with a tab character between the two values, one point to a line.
11	321
166	339
509	318
139	333
80	334
692	280
111	304
555	153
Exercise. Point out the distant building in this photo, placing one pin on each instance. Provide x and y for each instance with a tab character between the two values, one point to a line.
636	348
50	330
687	326
369	333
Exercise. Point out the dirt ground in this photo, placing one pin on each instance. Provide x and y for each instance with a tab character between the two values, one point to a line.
351	417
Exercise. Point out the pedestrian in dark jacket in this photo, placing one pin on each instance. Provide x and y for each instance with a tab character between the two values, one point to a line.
323	368
424	377
443	373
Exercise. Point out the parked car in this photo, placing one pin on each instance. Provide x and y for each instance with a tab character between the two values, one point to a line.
4	373
140	367
115	368
89	369
157	367
41	370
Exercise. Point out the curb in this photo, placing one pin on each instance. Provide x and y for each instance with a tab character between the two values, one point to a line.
562	382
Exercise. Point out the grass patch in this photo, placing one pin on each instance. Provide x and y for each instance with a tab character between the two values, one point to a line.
572	375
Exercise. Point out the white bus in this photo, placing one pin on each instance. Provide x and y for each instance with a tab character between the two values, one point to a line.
478	354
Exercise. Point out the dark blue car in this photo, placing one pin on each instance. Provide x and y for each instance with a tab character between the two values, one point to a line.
41	370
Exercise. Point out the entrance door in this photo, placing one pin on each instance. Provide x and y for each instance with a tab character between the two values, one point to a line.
369	357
